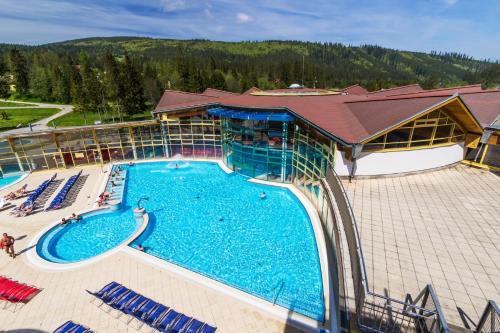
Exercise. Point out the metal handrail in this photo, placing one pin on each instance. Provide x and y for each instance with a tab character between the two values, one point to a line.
419	313
491	315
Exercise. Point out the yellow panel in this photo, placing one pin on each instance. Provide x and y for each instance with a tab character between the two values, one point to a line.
472	140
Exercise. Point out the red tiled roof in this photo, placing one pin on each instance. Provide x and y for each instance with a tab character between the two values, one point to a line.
484	105
411	88
473	88
351	118
251	90
355	90
171	98
217	93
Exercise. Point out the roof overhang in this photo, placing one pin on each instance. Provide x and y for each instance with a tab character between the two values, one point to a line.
455	107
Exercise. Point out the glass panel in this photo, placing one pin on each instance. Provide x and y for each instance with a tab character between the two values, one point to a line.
422	133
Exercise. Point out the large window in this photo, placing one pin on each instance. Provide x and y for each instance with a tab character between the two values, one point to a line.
435	128
313	154
193	136
259	149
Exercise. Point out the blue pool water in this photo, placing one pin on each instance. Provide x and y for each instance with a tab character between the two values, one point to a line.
93	235
6	180
215	224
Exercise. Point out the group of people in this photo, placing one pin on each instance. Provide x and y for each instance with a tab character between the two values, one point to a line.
73	218
17	194
7	243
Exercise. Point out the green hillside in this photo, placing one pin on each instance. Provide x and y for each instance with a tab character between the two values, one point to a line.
127	75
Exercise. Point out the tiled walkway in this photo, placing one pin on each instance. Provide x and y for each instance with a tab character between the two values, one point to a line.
440	227
64	297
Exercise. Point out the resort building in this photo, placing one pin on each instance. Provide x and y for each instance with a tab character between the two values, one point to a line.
317	150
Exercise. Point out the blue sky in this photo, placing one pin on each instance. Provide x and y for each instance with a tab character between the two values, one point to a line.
467	26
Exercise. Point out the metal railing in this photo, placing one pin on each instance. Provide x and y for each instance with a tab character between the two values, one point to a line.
490	320
375	312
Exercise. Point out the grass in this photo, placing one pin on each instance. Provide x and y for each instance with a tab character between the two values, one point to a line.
24	116
9	104
89	118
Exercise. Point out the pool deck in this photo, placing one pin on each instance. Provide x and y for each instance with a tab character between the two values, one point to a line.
64	297
440	227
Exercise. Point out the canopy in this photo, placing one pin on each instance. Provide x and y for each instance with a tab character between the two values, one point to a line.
251	115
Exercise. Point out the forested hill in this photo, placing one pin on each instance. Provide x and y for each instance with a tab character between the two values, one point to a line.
193	65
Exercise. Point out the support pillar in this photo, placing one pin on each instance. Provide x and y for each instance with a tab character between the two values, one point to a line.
283	151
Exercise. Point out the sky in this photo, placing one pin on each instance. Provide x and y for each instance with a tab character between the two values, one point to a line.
466	26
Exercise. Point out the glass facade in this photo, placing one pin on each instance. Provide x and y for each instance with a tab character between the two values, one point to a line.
313	154
197	135
258	148
433	129
82	146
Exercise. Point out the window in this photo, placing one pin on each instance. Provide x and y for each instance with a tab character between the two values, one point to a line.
435	128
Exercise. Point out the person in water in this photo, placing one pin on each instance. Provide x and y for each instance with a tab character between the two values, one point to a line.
263	195
75	217
176	166
140	248
64	221
7	243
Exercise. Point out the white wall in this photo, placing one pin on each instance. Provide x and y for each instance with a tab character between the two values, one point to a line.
371	164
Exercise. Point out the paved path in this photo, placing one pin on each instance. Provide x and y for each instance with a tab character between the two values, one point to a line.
439	227
42	123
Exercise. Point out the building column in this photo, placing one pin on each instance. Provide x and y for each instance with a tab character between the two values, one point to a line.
165	139
134	149
283	151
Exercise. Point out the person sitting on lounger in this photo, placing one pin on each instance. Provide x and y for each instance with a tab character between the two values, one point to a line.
16	194
8	244
25	211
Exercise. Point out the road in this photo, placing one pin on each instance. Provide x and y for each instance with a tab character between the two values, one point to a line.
42	124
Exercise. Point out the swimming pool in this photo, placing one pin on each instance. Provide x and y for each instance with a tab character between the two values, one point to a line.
215	224
6	180
94	234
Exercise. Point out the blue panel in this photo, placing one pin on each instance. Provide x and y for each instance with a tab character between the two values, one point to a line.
251	115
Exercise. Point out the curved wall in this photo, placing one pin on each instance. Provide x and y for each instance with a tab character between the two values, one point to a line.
373	164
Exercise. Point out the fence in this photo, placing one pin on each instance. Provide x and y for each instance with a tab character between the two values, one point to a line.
375	312
490	320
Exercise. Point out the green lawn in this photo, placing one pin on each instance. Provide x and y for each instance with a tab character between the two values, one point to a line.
4	104
24	116
88	118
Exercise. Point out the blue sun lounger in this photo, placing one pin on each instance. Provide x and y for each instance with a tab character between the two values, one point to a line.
146	311
193	326
72	327
61	196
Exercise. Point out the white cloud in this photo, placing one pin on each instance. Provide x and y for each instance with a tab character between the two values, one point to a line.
208	13
243	18
172	5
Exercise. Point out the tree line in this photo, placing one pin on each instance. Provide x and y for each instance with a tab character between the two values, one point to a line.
130	74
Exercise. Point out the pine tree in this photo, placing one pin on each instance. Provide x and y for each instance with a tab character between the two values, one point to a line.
218	81
152	88
40	84
91	89
133	100
19	69
4	88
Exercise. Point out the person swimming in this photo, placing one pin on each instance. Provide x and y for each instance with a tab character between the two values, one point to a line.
263	195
